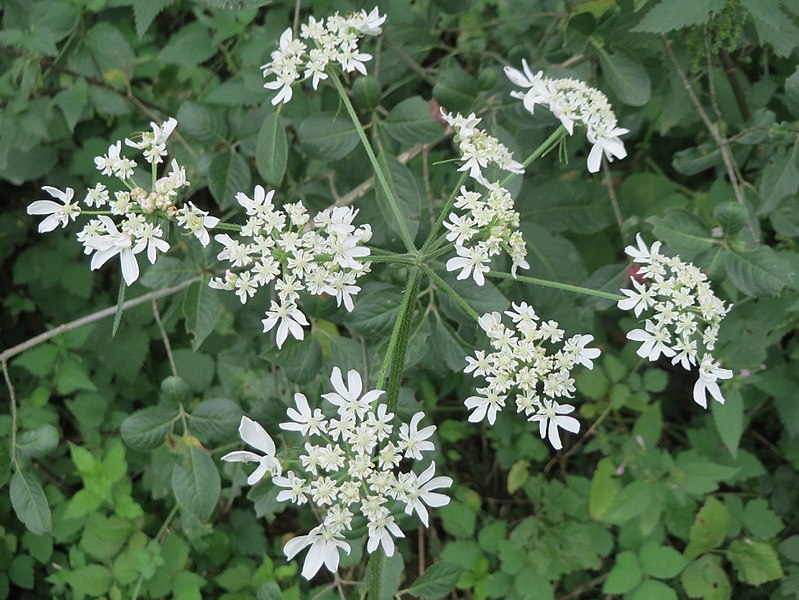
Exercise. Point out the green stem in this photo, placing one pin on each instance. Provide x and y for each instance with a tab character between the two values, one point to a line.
446	288
396	259
538	152
558	286
443	214
401	345
227	226
375	574
387	189
406	306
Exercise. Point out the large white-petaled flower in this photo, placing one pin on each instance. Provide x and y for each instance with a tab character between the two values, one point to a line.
420	490
709	373
413	441
348	397
608	144
324	542
485	407
256	436
303	419
381	529
197	222
57	214
553	415
639	300
288	318
115	242
471	261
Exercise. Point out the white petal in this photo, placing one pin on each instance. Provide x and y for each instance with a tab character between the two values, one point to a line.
256	436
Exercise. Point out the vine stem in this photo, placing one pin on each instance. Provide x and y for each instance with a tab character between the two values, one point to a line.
381	177
566	287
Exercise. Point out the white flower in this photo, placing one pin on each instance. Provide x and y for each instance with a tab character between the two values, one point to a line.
485	407
470	260
420	491
290	319
553	415
381	528
150	236
639	300
324	545
413	441
347	398
709	373
303	420
643	253
610	145
253	434
655	340
583	356
197	222
110	244
369	24
57	214
296	491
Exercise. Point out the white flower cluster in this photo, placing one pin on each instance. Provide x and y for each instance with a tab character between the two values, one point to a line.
683	316
489	223
334	40
273	246
139	211
522	360
349	470
572	101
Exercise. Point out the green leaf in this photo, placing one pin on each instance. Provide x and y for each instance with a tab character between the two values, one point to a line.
789	548
729	419
203	123
518	475
755	562
625	574
366	92
458	519
269	591
91	580
215	419
792	93
175	390
376	310
271	150
626	76
456	90
30	503
73	102
780	180
197	485
38	442
683	233
202	309
410	122
39	360
112	53
604	489
103	537
762	522
71	376
407	192
437	581
483	299
662	562
144	13
228	174
709	528
328	136
654	590
706	578
190	46
773	26
731	216
147	428
301	359
20	571
759	272
676	14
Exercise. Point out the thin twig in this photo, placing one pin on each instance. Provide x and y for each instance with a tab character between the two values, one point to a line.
101	314
614	201
584	438
721	142
729	71
165	339
12	399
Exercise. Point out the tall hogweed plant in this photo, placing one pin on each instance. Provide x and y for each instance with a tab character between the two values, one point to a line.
362	462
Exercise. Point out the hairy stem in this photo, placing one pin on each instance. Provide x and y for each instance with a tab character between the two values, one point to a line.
566	287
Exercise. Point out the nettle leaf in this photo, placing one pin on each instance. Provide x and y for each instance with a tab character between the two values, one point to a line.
328	136
706	578
456	90
190	46
202	309
215	419
228	174
729	419
773	26
203	123
437	581
38	442
112	53
271	150
759	272
762	522
779	181
709	528
626	76
147	428
30	503
754	562
197	485
39	360
144	13
410	122
676	14
683	233
91	580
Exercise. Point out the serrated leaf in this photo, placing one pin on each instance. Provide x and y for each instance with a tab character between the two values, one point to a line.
203	123
269	591
683	233
197	485
709	528
762	522
437	581
202	309
112	53
780	180
91	580
228	174
604	489
627	77
773	26
406	190
729	419
144	13
376	310
189	46
410	122
271	150
39	360
30	503
73	101
755	562
759	272
327	136
455	89
38	442
215	419
147	428
706	578
662	562
676	14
